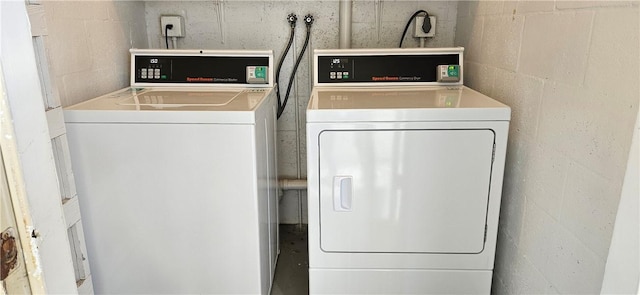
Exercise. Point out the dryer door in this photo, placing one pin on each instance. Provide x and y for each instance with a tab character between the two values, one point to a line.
404	191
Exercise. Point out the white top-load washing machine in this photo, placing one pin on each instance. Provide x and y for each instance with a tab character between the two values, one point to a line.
405	169
176	175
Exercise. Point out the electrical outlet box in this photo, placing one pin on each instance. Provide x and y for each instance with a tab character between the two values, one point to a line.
178	25
417	32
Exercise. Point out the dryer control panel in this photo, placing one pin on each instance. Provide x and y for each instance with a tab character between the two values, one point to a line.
199	67
417	66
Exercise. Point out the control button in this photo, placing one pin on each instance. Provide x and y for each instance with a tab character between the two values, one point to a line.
339	75
156	72
345	75
156	77
332	75
163	77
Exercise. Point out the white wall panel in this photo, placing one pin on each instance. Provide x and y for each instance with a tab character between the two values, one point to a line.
88	43
572	121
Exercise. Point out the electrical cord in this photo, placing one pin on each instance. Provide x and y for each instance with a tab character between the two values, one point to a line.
308	20
292	19
425	26
166	34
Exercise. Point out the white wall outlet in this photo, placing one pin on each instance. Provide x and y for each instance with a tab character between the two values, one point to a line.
417	31
178	25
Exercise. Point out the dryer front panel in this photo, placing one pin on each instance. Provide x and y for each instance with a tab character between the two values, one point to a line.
404	191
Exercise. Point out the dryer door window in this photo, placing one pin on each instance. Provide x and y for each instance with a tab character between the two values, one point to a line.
404	191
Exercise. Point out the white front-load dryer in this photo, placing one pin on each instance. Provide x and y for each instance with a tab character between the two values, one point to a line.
405	178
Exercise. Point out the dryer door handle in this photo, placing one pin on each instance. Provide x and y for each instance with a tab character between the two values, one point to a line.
342	193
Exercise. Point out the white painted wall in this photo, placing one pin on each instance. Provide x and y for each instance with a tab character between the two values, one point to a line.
569	70
622	274
88	45
34	151
262	25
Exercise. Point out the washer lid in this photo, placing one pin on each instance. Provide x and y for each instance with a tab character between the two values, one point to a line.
170	105
377	104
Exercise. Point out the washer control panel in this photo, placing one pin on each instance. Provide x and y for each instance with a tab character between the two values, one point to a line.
194	69
153	70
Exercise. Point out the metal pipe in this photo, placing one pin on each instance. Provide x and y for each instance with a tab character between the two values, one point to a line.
345	24
292	184
174	42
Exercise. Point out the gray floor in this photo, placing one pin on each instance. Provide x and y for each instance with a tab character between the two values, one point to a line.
292	275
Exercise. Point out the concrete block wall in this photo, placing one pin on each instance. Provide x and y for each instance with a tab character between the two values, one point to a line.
88	45
569	71
262	25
